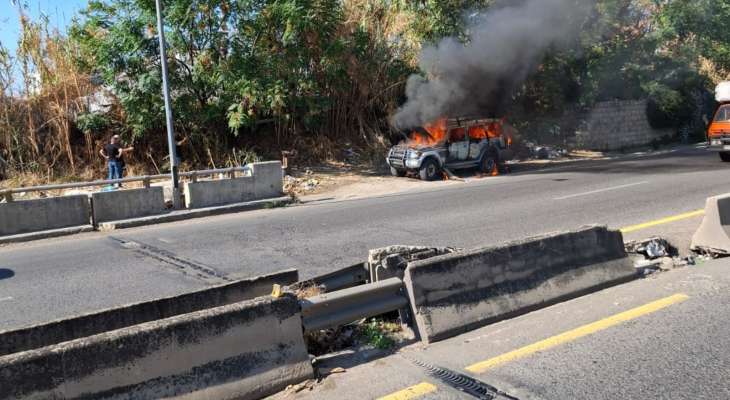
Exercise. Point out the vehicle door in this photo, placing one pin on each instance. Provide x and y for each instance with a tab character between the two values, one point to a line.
458	145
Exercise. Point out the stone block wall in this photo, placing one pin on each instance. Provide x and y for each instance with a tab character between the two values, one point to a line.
618	125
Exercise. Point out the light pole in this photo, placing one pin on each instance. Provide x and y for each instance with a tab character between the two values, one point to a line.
168	110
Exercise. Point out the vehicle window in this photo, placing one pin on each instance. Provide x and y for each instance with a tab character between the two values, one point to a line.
457	135
723	114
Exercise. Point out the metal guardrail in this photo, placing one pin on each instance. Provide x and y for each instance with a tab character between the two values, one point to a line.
344	306
343	278
146	179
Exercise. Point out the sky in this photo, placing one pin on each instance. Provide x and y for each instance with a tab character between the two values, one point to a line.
59	13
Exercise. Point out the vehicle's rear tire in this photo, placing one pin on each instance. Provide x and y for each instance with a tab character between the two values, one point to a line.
725	156
397	172
430	170
489	163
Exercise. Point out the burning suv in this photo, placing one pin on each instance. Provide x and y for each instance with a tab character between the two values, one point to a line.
453	143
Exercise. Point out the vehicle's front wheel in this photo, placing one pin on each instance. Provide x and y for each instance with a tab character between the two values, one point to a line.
725	156
397	172
430	170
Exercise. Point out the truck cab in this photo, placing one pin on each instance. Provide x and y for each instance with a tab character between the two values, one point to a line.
454	143
718	133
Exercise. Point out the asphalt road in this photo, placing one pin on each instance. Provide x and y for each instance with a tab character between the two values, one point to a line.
55	278
675	352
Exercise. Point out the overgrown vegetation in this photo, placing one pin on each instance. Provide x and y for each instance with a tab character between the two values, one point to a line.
252	78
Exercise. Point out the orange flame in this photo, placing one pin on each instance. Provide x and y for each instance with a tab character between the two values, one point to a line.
437	133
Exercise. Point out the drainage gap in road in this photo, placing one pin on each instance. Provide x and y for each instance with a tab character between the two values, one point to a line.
187	267
462	383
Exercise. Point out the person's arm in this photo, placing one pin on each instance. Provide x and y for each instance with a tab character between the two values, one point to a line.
103	154
125	150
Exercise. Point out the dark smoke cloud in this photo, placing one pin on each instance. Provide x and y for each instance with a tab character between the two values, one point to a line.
505	44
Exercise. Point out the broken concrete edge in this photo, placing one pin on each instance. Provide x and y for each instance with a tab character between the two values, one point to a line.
195	213
246	350
67	329
458	292
27	237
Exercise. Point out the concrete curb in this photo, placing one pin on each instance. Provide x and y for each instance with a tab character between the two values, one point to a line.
195	213
27	237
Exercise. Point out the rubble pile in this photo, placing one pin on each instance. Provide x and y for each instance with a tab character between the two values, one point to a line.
308	183
656	254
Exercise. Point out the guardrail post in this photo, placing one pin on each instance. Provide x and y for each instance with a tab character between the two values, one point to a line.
232	174
194	176
146	182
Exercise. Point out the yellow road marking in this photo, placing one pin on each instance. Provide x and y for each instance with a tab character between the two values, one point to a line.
577	333
634	228
412	392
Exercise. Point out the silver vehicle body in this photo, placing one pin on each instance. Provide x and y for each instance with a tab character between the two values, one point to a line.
462	154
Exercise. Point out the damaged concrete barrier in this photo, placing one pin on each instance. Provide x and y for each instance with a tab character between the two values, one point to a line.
265	182
125	204
454	293
713	236
44	214
63	330
245	350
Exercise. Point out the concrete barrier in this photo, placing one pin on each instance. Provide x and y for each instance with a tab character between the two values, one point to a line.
457	292
219	192
63	330
268	179
245	350
266	182
43	214
714	232
125	204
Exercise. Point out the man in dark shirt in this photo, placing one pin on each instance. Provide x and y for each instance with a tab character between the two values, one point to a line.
113	153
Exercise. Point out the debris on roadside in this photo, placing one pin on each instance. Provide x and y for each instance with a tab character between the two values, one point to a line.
658	255
651	248
375	333
308	385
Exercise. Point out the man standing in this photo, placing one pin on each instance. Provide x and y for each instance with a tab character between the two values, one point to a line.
113	153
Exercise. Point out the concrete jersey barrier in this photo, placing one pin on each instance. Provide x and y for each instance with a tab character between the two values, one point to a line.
457	292
266	182
125	204
713	234
43	214
67	329
242	351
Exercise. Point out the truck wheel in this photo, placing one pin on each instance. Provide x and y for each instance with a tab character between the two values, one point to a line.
430	170
488	163
397	172
725	156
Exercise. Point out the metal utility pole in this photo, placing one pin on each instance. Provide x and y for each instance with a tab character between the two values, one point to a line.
168	110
